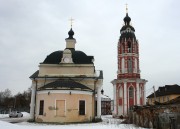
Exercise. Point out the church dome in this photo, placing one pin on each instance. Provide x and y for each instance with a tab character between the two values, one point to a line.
127	31
71	33
127	19
53	58
78	57
125	27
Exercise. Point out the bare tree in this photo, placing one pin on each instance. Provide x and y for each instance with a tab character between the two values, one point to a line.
7	93
4	94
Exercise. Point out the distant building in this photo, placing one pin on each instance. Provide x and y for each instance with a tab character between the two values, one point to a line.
128	88
105	104
64	87
164	94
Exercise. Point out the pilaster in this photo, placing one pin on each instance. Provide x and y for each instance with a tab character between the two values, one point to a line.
144	102
125	98
115	99
32	105
137	93
98	102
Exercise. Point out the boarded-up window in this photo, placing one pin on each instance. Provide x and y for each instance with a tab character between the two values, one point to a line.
120	101
41	107
81	107
60	104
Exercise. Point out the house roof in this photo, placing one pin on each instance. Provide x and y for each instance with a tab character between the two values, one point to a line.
34	75
173	101
100	75
166	90
66	85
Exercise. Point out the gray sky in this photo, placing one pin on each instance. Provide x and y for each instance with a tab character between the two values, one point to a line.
30	30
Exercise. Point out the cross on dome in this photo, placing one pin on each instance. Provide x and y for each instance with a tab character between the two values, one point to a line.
126	8
71	32
71	21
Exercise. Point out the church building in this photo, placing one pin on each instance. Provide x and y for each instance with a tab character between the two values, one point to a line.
128	88
65	86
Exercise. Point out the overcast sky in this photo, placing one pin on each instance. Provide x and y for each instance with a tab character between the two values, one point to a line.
32	29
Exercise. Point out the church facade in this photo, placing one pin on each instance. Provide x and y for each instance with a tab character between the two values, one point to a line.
65	86
128	87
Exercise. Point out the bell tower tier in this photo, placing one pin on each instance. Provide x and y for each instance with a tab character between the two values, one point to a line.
128	88
128	58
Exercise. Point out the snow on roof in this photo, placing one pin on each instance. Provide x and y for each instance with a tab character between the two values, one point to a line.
104	98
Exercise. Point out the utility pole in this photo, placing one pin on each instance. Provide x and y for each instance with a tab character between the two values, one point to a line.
154	94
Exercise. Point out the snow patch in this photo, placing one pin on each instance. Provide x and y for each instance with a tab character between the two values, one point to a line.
25	114
108	123
4	115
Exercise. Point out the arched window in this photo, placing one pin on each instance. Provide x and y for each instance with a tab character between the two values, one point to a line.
135	65
129	47
130	69
131	92
141	91
120	92
123	48
122	65
134	47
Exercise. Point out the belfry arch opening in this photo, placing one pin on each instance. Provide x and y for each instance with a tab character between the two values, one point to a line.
129	47
130	69
123	48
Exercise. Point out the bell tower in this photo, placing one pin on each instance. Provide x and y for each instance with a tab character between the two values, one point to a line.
128	88
128	52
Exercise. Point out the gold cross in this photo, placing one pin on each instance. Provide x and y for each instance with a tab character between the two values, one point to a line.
71	21
126	8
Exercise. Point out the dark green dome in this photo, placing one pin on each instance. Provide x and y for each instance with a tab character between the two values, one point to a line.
71	33
126	27
78	57
127	31
127	19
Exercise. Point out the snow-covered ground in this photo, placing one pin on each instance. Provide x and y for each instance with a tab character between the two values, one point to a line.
4	115
108	123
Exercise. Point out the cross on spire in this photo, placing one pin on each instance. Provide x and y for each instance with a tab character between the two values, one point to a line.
126	8
71	21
